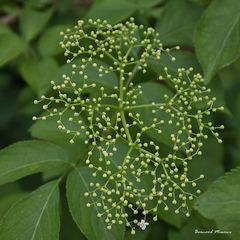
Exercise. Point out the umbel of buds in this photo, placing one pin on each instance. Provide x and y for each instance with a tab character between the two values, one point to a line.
132	174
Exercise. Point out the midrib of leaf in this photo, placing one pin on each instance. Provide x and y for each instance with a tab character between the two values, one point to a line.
212	66
43	209
32	164
86	186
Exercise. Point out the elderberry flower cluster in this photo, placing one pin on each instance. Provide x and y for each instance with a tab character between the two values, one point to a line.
133	173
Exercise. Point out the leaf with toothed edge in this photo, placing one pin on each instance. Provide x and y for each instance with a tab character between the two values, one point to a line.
221	202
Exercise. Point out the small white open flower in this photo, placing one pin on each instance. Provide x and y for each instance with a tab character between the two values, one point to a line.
143	224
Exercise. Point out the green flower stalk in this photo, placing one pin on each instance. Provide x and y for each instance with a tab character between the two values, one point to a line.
133	173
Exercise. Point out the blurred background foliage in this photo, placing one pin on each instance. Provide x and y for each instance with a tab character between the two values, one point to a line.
30	57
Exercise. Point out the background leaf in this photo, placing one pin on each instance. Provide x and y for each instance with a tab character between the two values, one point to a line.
29	35
28	157
48	44
221	202
189	230
10	194
38	3
112	12
92	227
34	217
154	92
48	130
142	4
177	22
11	45
183	59
217	37
208	161
139	235
38	74
33	21
108	81
68	227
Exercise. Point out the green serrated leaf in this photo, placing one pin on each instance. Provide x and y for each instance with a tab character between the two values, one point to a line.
28	157
32	21
217	37
92	227
176	27
34	217
221	202
38	74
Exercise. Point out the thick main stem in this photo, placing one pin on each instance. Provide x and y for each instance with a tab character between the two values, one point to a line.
122	115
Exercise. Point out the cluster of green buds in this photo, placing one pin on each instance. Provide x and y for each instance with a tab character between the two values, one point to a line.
133	174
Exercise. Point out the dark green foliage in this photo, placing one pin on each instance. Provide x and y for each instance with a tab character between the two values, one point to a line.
208	33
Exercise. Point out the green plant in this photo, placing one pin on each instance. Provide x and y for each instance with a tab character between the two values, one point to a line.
128	170
127	123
